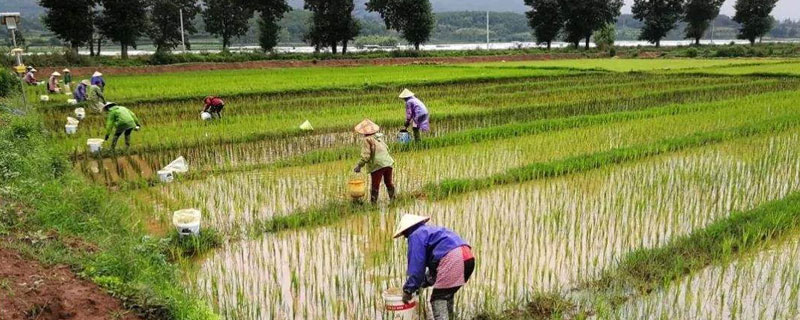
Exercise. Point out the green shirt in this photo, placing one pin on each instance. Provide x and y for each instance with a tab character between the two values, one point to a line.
120	118
67	78
375	154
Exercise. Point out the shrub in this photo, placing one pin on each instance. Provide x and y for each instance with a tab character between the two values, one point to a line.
9	83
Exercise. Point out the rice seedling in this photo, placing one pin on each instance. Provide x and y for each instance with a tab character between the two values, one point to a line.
244	198
763	286
563	230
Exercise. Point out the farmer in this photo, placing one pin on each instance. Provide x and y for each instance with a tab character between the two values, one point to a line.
448	259
214	105
52	83
97	80
67	80
120	121
80	93
96	97
416	112
375	155
30	76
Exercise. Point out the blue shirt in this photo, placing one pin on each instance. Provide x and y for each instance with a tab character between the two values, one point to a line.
98	81
427	245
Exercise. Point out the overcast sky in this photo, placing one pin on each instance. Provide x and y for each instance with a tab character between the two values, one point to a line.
784	9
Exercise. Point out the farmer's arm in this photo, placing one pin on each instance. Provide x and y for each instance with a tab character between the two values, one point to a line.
110	123
416	264
366	153
135	119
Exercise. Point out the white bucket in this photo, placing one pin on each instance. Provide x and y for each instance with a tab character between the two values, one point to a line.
71	128
80	113
95	145
187	221
44	98
205	116
72	101
165	176
398	310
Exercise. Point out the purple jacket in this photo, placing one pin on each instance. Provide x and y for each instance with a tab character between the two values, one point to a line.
415	110
98	81
427	245
80	92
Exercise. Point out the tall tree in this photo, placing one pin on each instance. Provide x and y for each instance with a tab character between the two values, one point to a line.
658	16
270	12
227	19
584	17
332	23
123	21
545	19
70	20
698	15
268	33
414	19
165	23
754	18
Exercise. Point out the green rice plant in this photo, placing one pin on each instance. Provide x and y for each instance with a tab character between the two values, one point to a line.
564	230
245	198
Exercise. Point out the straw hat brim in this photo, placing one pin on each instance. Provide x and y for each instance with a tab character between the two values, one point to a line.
407	222
367	127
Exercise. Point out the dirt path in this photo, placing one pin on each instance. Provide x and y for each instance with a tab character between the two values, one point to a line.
87	71
30	291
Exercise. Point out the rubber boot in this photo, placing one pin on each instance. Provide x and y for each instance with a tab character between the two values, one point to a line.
390	191
417	137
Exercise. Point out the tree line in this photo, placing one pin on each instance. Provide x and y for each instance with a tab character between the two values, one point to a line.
575	20
86	23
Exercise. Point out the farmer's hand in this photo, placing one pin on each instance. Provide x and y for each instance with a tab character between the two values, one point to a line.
137	128
408	123
357	169
407	297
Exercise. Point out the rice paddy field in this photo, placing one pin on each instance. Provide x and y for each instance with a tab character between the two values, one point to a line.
558	174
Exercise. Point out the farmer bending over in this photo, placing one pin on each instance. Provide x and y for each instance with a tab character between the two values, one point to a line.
416	113
214	106
30	76
52	83
97	80
120	121
81	93
448	259
375	155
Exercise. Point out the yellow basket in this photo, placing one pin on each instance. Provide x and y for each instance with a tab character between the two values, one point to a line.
356	187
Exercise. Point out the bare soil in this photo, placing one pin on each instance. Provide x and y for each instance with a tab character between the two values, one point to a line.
30	291
267	64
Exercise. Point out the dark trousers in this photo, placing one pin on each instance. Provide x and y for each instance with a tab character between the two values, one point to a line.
443	300
384	174
216	111
127	133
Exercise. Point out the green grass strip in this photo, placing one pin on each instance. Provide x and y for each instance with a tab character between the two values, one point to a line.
337	210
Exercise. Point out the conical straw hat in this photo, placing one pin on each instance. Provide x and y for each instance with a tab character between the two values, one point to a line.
406	94
65	70
408	221
306	126
86	82
97	74
56	74
367	127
